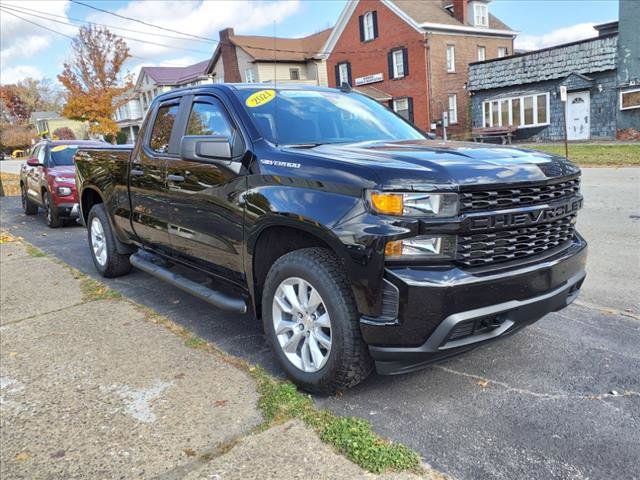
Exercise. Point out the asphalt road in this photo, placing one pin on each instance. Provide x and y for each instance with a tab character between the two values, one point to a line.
11	166
559	400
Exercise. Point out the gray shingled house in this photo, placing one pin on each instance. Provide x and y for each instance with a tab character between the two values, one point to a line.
602	76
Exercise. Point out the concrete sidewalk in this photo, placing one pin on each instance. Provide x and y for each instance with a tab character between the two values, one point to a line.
90	388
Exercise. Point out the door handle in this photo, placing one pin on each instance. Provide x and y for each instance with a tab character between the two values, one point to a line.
137	173
175	178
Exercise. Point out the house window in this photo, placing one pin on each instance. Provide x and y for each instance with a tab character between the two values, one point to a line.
343	73
482	53
523	111
368	26
630	99
249	76
481	15
451	58
397	63
453	109
502	52
404	108
294	74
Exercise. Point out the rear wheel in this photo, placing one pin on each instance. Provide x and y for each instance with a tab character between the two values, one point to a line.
312	324
28	207
102	241
50	211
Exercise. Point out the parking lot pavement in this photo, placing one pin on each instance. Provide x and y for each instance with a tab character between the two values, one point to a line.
558	400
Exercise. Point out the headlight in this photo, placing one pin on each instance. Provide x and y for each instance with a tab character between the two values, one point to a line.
65	180
415	204
64	191
441	246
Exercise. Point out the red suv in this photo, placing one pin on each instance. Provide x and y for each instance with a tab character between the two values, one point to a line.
47	180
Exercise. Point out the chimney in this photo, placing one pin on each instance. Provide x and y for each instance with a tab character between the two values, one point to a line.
229	57
460	10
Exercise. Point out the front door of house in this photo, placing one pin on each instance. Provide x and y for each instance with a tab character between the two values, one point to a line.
578	116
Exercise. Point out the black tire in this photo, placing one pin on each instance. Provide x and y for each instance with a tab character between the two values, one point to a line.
50	211
28	207
348	362
116	264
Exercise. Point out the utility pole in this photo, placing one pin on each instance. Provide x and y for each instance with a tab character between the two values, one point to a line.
563	99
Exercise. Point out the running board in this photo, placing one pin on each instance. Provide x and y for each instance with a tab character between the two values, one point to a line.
219	299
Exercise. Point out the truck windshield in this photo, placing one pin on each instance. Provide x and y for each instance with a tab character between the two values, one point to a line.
63	155
313	117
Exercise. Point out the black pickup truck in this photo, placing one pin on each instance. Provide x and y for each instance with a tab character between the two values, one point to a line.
358	242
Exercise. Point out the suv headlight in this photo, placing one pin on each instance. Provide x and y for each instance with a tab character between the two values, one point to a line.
415	204
65	180
415	248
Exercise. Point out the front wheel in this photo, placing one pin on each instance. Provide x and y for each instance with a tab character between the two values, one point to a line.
51	211
312	324
102	241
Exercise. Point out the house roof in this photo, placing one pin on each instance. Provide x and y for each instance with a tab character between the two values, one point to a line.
287	49
586	56
434	11
35	116
423	16
175	75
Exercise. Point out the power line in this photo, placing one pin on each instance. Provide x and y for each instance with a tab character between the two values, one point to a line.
64	34
143	22
29	11
121	36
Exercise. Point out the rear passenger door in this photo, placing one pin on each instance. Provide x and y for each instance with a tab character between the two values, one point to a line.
206	215
148	176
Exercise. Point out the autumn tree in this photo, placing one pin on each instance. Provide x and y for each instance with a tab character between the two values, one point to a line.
19	100
92	78
14	137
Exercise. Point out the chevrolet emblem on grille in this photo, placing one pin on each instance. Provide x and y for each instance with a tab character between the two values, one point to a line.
531	216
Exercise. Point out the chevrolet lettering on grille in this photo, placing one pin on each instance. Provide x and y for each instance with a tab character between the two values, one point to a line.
530	217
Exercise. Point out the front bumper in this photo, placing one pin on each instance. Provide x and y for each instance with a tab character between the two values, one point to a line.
445	312
69	210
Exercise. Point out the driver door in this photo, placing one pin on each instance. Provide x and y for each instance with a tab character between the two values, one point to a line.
206	217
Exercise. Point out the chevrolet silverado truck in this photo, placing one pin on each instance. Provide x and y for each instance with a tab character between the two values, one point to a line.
359	243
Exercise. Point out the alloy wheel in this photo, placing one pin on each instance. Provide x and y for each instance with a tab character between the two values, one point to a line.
302	324
98	242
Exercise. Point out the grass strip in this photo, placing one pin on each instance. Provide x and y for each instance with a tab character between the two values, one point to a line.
595	155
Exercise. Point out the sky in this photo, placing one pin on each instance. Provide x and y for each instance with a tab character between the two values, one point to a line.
28	50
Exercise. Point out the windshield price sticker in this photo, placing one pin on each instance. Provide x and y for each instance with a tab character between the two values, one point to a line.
59	148
260	98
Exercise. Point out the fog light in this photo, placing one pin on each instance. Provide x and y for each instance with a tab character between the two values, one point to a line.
416	247
64	191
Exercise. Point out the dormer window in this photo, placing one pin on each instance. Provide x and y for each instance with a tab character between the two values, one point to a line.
368	26
480	14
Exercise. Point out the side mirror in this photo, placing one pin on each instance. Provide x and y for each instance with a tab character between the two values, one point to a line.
33	162
205	148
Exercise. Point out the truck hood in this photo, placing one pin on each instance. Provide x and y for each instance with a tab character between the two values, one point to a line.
412	163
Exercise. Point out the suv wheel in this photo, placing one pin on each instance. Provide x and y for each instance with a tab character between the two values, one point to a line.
312	324
106	258
50	211
28	207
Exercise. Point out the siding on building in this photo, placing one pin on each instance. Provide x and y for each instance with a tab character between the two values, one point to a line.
629	65
584	57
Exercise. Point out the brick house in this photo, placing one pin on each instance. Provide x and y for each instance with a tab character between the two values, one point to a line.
601	75
414	55
253	58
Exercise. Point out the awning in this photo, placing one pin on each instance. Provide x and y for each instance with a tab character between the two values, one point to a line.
373	92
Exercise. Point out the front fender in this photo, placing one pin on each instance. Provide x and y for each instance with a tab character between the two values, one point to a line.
340	219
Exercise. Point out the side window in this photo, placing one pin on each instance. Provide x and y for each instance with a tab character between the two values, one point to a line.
209	119
42	154
162	126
